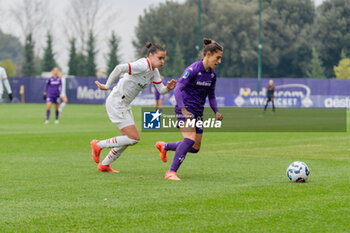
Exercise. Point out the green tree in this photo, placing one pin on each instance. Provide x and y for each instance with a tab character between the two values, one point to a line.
91	54
28	67
73	62
9	66
179	63
81	65
11	48
174	64
343	54
316	69
342	71
48	62
113	57
234	24
178	24
331	32
286	53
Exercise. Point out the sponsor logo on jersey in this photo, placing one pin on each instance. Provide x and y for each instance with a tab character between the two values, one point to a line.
206	84
142	86
186	75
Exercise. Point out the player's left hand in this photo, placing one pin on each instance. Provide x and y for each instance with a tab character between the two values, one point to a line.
11	96
101	86
219	116
171	84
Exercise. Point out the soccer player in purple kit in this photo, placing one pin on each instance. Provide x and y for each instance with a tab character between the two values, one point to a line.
196	83
52	93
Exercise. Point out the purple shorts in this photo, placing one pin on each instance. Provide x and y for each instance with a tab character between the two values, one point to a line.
53	99
183	119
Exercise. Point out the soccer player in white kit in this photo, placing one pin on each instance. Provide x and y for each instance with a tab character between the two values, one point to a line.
138	75
63	94
3	79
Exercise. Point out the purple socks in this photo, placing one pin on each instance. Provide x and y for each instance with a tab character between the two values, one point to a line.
180	154
174	145
47	114
171	145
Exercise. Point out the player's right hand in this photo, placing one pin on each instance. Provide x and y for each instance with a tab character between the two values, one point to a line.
101	86
171	84
219	116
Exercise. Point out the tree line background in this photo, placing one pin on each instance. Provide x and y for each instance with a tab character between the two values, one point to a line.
299	40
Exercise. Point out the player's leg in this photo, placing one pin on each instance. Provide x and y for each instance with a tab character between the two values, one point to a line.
130	136
63	104
159	104
189	135
1	90
164	147
197	144
57	113
267	102
48	109
273	104
115	152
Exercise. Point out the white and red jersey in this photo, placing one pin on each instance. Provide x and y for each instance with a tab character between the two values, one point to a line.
138	75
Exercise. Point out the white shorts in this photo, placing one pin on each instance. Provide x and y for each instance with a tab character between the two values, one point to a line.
63	94
118	114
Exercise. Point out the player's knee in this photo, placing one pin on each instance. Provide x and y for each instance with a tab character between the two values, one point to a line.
134	140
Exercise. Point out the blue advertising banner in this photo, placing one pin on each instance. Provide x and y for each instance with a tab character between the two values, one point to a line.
238	92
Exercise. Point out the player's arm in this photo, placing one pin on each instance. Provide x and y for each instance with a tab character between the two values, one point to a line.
118	70
181	84
63	79
7	85
212	101
8	88
47	84
162	89
136	67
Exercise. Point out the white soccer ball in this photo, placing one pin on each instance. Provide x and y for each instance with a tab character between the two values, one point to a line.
298	172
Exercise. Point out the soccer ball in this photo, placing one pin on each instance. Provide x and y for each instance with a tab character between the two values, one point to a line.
298	172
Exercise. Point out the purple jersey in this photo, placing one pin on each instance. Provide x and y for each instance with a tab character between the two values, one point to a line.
53	87
193	88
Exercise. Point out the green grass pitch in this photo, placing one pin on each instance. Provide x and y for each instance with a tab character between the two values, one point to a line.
236	183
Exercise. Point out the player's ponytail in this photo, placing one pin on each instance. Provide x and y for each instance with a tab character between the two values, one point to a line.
148	44
207	41
153	48
211	46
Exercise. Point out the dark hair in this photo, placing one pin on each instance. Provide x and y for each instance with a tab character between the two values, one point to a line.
211	46
153	48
